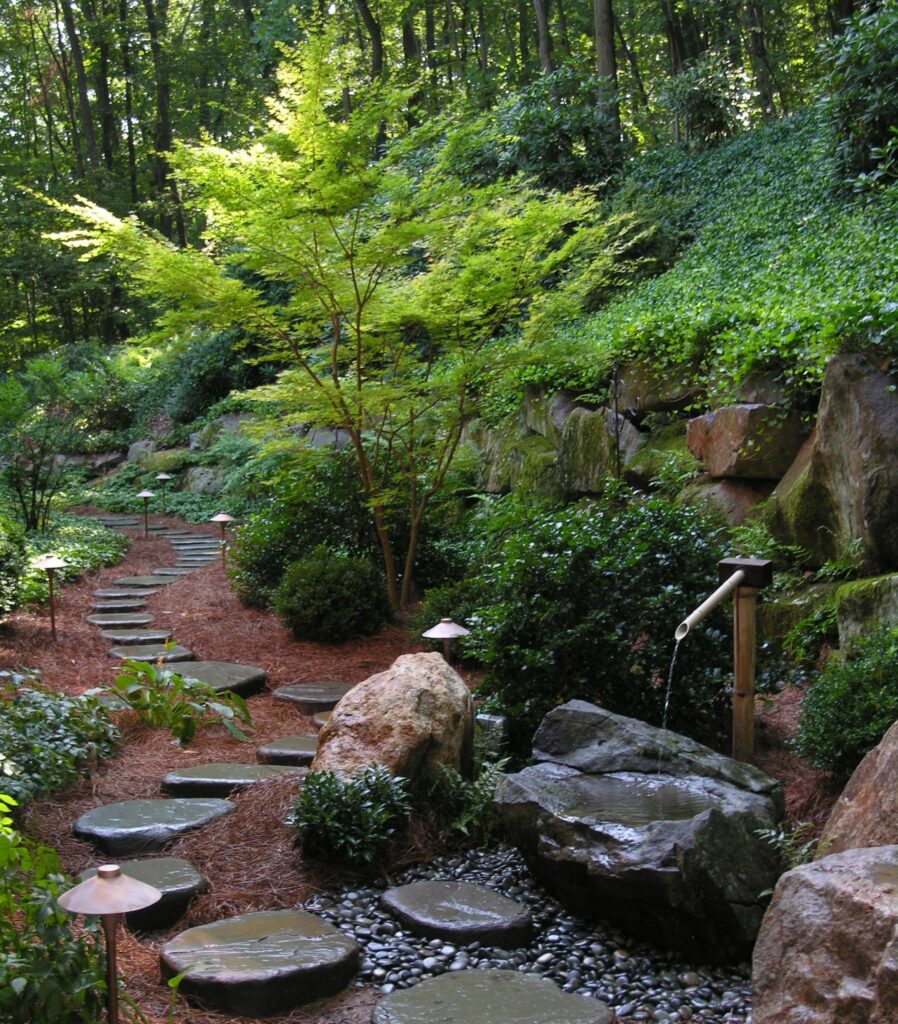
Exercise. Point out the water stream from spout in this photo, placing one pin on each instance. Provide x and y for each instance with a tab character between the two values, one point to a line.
670	679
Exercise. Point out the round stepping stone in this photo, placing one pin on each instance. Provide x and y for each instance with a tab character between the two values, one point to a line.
118	604
120	592
152	652
136	635
225	676
500	997
122	619
321	719
141	581
169	571
221	779
178	881
297	750
141	826
312	697
460	912
259	965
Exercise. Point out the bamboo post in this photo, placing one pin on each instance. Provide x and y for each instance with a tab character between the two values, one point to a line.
744	646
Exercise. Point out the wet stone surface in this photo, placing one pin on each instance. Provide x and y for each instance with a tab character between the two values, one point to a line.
119	619
296	750
178	881
221	779
141	581
152	652
500	997
122	592
310	698
258	965
321	719
459	911
136	635
118	604
170	570
141	826
225	676
584	957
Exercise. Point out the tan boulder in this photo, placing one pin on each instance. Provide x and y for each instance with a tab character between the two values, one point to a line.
866	814
827	952
415	715
748	440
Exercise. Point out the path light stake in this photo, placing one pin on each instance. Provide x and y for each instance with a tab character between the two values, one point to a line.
146	495
745	576
109	894
446	630
163	479
50	563
223	519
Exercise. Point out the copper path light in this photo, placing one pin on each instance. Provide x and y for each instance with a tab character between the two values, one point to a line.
50	563
223	519
146	495
163	479
446	630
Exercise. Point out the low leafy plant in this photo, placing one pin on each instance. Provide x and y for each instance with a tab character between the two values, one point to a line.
465	807
12	563
850	705
332	597
165	700
795	846
351	820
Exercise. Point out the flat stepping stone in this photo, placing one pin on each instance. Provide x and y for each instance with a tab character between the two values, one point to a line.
178	881
194	563
225	676
221	779
118	604
141	826
169	571
152	652
195	542
499	997
260	965
296	750
119	619
321	719
460	912
121	592
310	698
136	635
141	581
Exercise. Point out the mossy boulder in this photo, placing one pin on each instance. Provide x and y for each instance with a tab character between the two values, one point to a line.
780	613
170	460
730	502
511	460
664	451
546	414
593	443
864	604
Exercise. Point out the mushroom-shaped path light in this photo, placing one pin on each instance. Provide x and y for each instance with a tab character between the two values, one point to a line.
446	630
50	563
222	518
146	495
163	479
109	894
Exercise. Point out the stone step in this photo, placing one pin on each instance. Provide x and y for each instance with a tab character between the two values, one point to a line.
136	635
195	542
221	779
152	652
141	581
321	719
141	826
194	563
460	912
178	881
119	619
225	676
260	965
172	570
298	749
122	592
494	996
312	697
118	604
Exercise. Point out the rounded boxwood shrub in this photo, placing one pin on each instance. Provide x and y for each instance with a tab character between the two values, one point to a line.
332	597
850	705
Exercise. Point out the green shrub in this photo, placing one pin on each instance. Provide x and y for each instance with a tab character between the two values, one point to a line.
466	807
850	705
350	820
50	738
12	563
332	597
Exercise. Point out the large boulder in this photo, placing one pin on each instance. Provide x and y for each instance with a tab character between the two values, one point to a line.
746	440
644	388
840	504
204	479
593	444
511	460
547	414
728	501
414	716
140	450
827	952
866	814
864	604
645	828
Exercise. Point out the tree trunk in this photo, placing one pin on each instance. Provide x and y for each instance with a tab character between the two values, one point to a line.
523	36
87	124
606	61
545	38
128	74
482	45
641	95
99	30
757	48
563	36
375	35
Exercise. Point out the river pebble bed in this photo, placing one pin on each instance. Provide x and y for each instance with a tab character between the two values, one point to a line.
585	957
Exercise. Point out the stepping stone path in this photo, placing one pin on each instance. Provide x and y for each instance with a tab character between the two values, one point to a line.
178	881
120	592
141	826
460	912
321	719
122	619
312	697
136	635
170	571
259	965
497	997
296	750
118	604
141	581
222	779
225	676
152	652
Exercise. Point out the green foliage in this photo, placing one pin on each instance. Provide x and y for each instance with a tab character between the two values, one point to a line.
466	808
49	973
705	101
49	739
861	101
581	602
332	597
795	846
811	635
850	705
162	699
350	820
12	563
